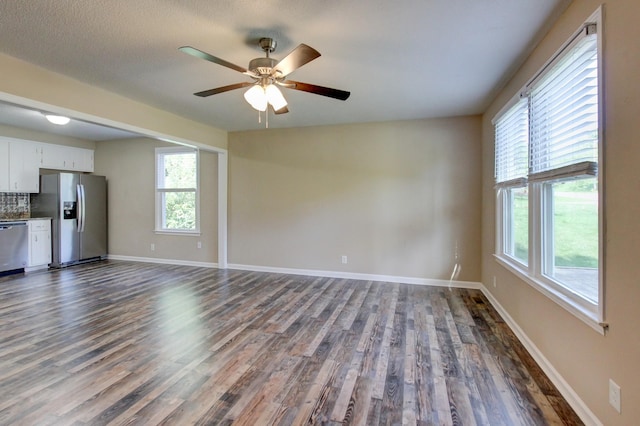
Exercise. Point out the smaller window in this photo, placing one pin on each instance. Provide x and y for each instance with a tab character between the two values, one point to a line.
512	145
516	242
177	195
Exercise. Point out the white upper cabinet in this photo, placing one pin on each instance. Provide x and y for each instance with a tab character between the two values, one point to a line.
21	161
69	158
87	160
52	156
24	158
19	165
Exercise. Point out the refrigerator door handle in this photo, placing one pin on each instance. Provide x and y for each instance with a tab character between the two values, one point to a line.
80	207
84	208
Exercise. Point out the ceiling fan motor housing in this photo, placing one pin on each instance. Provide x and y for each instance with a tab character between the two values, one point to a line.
262	66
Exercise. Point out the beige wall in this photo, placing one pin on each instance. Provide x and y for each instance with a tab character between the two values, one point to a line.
397	198
583	357
25	83
129	166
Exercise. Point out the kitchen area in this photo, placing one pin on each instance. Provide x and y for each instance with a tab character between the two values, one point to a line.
53	211
25	242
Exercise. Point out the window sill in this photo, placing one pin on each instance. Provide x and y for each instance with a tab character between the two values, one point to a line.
561	299
177	232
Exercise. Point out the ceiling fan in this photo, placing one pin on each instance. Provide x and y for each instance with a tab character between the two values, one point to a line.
267	74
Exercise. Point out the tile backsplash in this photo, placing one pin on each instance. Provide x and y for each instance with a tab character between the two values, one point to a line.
14	205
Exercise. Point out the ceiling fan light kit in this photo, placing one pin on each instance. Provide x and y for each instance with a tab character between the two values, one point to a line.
268	73
256	98
275	97
259	96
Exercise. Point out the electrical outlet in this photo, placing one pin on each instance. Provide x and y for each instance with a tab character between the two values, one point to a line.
199	244
344	260
614	395
153	247
495	282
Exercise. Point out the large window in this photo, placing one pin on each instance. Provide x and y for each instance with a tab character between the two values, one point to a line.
548	145
512	144
177	196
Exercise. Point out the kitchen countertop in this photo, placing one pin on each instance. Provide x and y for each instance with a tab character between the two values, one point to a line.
24	219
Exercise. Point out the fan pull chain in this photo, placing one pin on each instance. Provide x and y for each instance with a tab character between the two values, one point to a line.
266	116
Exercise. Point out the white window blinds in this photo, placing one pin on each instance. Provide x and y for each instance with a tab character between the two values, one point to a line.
563	113
511	147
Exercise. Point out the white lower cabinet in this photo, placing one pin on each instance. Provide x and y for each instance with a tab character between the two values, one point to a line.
39	244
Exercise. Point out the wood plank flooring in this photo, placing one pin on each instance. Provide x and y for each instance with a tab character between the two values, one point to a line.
127	343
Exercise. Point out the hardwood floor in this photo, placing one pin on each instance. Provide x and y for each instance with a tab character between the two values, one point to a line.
133	343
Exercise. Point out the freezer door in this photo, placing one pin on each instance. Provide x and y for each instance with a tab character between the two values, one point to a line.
69	241
93	216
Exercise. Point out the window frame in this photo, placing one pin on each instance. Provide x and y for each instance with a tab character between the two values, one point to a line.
160	154
505	238
541	211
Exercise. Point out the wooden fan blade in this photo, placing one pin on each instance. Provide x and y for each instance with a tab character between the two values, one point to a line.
299	56
318	90
222	89
282	110
207	57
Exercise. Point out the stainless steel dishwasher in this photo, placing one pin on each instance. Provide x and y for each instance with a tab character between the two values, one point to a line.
13	245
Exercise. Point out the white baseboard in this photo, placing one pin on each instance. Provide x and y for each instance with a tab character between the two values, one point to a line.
581	409
358	276
308	272
163	261
28	269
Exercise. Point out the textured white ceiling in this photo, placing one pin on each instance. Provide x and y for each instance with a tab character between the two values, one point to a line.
400	59
27	118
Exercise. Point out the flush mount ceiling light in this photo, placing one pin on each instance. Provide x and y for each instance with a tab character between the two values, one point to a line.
60	120
266	74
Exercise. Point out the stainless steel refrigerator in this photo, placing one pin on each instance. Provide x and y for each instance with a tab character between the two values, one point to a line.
77	204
